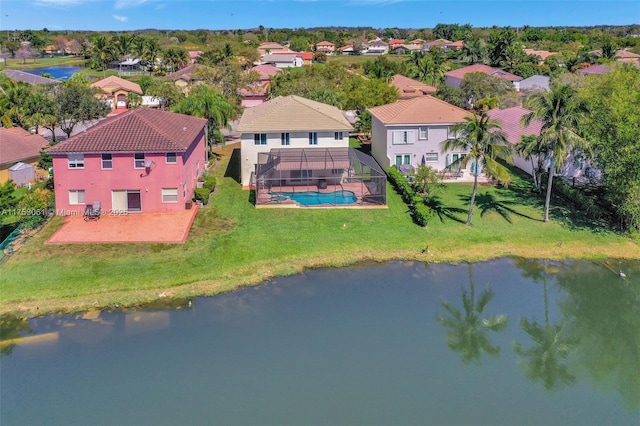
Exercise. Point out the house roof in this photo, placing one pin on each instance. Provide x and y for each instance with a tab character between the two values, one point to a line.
113	83
307	56
138	130
626	54
325	43
594	69
459	43
540	81
409	47
396	41
26	77
195	54
509	119
292	113
280	57
438	42
270	45
542	54
17	144
495	72
347	47
410	88
266	70
378	43
419	110
184	73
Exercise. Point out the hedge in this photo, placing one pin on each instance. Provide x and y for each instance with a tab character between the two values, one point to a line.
419	211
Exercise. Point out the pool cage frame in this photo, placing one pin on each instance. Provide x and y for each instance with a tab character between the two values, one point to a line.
322	170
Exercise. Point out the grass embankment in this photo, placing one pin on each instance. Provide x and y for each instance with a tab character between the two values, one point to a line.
232	244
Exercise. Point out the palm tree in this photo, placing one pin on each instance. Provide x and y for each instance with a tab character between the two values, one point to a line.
561	112
474	51
484	141
530	147
467	331
102	52
544	359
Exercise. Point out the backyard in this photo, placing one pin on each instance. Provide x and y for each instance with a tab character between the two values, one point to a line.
232	244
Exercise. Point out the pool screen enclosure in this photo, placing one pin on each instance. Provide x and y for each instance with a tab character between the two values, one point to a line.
319	177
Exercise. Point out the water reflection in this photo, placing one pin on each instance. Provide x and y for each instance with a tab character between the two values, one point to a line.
467	331
546	360
12	327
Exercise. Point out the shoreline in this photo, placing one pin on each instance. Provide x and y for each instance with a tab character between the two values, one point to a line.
138	299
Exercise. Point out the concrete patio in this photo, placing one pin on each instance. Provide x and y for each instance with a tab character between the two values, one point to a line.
130	228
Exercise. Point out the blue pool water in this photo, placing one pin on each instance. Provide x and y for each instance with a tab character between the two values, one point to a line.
62	73
313	198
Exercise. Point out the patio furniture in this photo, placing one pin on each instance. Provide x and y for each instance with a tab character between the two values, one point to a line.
92	211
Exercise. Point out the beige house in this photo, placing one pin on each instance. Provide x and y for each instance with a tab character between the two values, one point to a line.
17	145
326	47
184	78
290	122
116	89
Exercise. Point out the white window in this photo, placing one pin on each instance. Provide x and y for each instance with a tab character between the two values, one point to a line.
431	157
169	195
260	139
284	139
76	196
107	162
403	159
138	160
76	161
171	158
423	133
402	137
337	136
313	138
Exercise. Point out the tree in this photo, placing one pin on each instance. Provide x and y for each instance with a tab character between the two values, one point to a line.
74	104
467	331
531	148
319	57
168	93
426	178
500	41
478	85
176	58
612	127
484	141
475	52
561	112
206	103
299	44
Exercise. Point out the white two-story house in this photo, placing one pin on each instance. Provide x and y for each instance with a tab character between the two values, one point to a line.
410	132
286	123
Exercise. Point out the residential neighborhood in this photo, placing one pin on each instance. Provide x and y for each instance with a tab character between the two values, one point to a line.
305	212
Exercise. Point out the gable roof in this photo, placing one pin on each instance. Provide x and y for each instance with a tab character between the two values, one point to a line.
409	87
325	43
270	45
542	54
138	130
113	83
26	77
287	57
509	119
594	69
539	81
292	113
494	72
184	73
626	54
419	110
17	144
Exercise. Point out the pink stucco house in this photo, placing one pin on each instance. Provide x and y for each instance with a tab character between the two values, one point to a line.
143	160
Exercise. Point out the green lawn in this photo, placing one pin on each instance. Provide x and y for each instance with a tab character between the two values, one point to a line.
60	61
232	244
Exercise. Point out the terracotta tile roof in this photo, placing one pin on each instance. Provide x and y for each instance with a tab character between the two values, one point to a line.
457	44
594	69
292	113
138	130
542	54
410	88
325	43
396	41
307	56
17	144
270	45
509	119
419	110
266	70
495	72
195	54
626	54
113	83
438	42
184	73
26	77
347	47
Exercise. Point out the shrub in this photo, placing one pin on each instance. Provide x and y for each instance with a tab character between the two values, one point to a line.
210	184
419	211
202	194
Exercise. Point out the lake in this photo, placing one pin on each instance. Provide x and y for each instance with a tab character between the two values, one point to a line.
508	341
61	73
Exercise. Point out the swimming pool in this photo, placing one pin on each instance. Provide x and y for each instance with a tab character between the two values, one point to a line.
313	198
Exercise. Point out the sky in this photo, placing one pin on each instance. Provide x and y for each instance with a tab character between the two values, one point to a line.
126	15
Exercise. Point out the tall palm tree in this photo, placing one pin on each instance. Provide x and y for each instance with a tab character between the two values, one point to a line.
561	112
467	330
544	360
151	52
483	141
474	51
102	52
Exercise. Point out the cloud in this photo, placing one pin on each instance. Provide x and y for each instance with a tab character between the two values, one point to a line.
125	4
120	18
60	4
